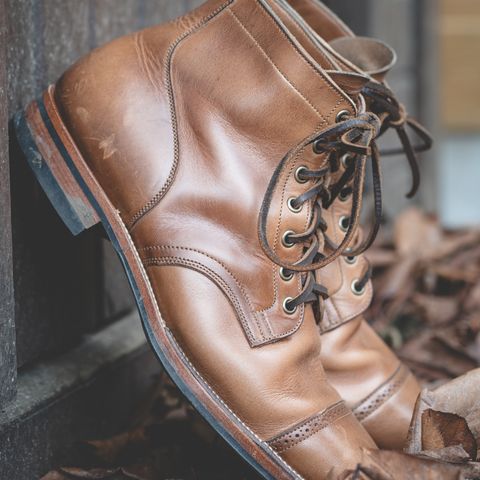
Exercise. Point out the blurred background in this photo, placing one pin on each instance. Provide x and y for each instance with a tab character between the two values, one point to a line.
437	77
73	360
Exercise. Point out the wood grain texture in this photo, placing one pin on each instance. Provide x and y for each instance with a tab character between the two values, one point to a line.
7	327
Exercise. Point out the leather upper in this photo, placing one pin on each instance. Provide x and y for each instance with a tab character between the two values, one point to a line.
184	125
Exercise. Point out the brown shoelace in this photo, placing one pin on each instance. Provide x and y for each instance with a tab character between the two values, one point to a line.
384	104
356	136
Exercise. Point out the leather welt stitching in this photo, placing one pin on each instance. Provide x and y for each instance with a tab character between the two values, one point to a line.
306	429
188	249
205	384
153	202
216	279
328	82
348	318
382	394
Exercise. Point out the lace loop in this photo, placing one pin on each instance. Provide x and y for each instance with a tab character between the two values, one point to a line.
354	135
383	102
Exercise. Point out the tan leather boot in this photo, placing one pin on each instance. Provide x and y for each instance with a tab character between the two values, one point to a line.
368	375
205	147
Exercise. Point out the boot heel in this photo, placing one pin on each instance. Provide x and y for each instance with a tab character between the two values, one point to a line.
50	160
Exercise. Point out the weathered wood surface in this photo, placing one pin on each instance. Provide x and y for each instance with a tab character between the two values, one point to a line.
7	328
64	286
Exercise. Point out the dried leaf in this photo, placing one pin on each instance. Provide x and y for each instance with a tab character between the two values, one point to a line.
460	397
385	465
416	234
455	454
382	257
472	302
442	429
56	475
437	310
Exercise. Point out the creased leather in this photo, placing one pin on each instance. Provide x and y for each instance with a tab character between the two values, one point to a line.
183	126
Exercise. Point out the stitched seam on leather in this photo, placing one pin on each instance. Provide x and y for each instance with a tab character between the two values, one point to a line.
382	394
218	262
265	54
171	99
357	313
339	93
213	276
277	235
310	427
240	286
187	360
307	35
342	320
223	284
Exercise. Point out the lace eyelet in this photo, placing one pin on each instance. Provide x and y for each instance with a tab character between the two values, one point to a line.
292	207
344	195
356	290
285	242
341	116
299	172
344	223
347	160
350	260
317	147
288	310
286	277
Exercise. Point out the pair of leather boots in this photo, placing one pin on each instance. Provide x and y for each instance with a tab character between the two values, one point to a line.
226	153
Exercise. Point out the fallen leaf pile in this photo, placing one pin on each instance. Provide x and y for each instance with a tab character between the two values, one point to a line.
426	306
427	296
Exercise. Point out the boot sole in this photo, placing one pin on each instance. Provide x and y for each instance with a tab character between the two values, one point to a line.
81	203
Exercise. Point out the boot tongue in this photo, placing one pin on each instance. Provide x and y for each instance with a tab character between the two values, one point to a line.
350	82
372	56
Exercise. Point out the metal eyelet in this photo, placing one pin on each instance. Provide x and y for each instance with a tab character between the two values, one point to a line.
358	291
346	160
285	242
341	115
299	172
344	223
286	277
343	197
317	147
292	207
350	260
288	310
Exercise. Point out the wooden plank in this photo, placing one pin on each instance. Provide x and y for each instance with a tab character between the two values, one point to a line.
8	367
466	7
459	72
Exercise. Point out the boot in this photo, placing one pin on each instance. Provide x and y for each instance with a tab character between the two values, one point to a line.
380	390
206	147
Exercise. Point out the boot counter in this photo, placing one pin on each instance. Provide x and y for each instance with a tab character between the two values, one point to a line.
115	106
